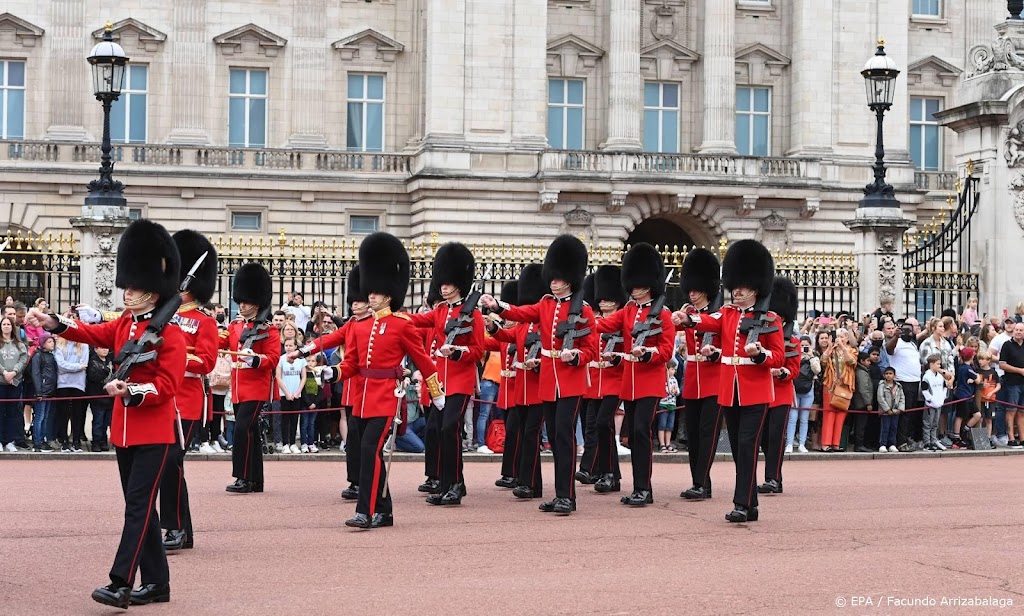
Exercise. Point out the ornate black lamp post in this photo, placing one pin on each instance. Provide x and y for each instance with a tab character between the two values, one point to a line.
1015	7
879	74
108	62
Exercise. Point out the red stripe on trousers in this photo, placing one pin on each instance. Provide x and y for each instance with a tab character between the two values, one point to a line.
149	514
376	464
181	472
757	443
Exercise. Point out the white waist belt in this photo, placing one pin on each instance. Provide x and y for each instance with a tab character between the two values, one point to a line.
545	352
193	375
738	361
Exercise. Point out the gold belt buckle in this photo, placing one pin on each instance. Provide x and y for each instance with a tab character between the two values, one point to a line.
700	357
735	361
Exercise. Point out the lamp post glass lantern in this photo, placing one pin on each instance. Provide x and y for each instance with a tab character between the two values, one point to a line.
880	74
108	62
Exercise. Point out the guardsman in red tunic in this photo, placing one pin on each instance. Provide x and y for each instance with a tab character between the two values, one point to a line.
376	352
507	395
193	398
257	345
144	421
432	431
784	303
646	350
600	462
459	330
527	395
701	283
752	345
563	370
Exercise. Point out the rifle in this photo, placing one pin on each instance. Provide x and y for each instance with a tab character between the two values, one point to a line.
610	342
651	326
462	324
532	344
257	332
758	324
566	329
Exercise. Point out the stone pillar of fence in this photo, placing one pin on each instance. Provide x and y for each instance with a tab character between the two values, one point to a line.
879	253
101	228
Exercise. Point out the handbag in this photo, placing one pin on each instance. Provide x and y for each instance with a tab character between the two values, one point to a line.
840	398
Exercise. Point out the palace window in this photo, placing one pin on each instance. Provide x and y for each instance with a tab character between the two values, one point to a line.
753	121
247	221
565	114
363	225
925	142
661	117
12	99
128	113
247	108
365	113
928	8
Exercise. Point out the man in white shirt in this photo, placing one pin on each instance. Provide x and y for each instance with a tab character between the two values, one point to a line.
999	435
905	358
295	307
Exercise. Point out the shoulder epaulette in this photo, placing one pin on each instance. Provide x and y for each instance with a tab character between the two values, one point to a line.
223	333
111	315
402	315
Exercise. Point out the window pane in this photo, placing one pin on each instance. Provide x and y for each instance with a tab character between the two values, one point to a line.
375	87
257	122
670	95
931	148
117	119
916	106
355	86
137	77
236	122
15	74
355	126
237	81
134	213
257	82
931	108
555	128
669	131
915	146
137	129
15	114
574	129
3	66
375	127
650	131
575	92
742	99
761	99
556	92
363	225
651	95
743	134
245	221
760	136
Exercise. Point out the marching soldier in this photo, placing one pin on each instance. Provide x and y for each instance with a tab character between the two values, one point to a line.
193	399
507	395
569	343
784	303
583	474
701	283
144	425
432	432
648	344
459	329
752	347
600	462
257	347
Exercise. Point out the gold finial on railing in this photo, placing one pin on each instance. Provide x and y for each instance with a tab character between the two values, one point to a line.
959	185
970	167
433	242
281	240
109	27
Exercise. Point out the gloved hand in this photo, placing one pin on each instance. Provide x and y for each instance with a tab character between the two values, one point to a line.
439	403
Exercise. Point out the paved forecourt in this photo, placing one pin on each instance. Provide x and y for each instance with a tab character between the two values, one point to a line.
844	533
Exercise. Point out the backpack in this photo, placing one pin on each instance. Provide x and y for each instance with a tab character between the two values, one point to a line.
495	438
804	381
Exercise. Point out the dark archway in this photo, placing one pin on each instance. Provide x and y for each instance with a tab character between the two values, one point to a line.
660	232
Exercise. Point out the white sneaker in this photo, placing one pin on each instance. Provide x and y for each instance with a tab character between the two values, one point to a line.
314	449
802	449
304	449
205	448
484	449
11	448
216	447
893	449
223	442
939	445
295	449
1002	441
622	451
279	448
789	449
284	449
882	449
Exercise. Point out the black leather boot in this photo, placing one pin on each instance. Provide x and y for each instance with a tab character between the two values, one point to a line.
505	482
526	492
351	492
359	520
564	506
742	514
607	484
770	487
113	595
151	593
177	540
585	478
640	498
697	493
430	486
381	520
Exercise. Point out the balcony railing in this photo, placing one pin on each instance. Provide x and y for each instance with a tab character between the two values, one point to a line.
130	156
604	163
935	180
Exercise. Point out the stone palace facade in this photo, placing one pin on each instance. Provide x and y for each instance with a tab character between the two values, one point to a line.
671	121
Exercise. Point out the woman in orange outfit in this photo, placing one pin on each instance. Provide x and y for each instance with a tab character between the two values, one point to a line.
839	364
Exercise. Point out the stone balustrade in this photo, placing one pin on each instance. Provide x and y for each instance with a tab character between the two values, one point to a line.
645	163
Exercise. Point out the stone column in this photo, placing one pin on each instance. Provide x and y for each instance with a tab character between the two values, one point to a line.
101	228
190	48
811	104
444	87
878	249
308	57
529	74
68	79
719	77
625	86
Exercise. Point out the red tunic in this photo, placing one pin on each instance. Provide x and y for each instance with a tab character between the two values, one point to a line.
340	338
527	382
147	415
559	379
458	372
507	388
642	379
200	332
254	383
700	380
785	393
376	349
755	383
605	376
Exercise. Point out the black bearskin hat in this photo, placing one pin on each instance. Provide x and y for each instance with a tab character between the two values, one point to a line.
784	301
643	268
701	271
531	285
510	292
384	267
253	285
588	290
566	260
454	264
353	290
608	285
191	245
748	264
148	260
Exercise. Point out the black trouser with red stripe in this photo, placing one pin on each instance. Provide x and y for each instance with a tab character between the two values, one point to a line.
607	455
588	461
529	461
513	442
745	424
703	425
373	432
141	547
432	443
353	446
247	454
451	439
560	419
773	441
641	452
174	509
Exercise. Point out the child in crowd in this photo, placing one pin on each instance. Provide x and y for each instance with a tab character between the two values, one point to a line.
970	316
891	402
100	368
863	400
229	421
935	385
291	376
44	380
312	396
968	414
988	387
667	409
